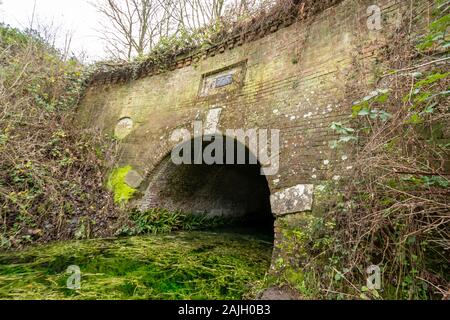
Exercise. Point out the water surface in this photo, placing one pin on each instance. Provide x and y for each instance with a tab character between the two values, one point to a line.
186	265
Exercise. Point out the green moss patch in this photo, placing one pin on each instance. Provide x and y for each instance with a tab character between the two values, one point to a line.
116	183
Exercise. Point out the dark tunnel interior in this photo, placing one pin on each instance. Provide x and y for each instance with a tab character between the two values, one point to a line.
226	188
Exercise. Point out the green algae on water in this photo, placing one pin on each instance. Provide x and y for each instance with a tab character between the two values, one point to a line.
191	265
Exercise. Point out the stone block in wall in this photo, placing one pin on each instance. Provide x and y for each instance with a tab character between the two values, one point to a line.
133	179
295	199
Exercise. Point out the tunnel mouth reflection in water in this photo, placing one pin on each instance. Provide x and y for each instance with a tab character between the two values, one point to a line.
237	190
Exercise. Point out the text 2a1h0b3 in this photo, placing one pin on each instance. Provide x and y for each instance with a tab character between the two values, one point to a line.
226	310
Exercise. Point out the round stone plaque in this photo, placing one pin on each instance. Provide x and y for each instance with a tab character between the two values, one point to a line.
123	128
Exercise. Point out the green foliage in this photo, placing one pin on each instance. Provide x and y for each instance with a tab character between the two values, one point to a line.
424	97
341	129
431	79
163	221
347	134
54	84
11	36
438	33
365	107
435	181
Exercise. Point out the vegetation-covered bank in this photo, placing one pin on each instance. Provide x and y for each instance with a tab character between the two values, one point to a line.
51	173
389	208
194	265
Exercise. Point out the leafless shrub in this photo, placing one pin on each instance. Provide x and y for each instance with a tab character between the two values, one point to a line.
133	28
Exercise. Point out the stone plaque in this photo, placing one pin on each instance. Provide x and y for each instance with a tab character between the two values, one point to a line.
222	81
292	200
123	128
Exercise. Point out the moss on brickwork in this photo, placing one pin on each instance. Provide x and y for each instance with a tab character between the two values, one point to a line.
116	183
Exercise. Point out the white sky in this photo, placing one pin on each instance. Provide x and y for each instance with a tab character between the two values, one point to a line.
76	15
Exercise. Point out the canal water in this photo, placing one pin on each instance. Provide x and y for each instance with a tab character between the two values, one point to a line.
225	264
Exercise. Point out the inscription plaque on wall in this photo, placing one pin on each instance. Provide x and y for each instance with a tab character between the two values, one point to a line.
225	80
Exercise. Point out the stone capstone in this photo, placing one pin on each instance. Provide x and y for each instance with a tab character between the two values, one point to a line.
296	199
212	121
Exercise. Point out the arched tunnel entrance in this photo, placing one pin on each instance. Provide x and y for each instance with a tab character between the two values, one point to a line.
231	187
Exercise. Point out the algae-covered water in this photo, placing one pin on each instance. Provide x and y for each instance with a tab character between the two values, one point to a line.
186	265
